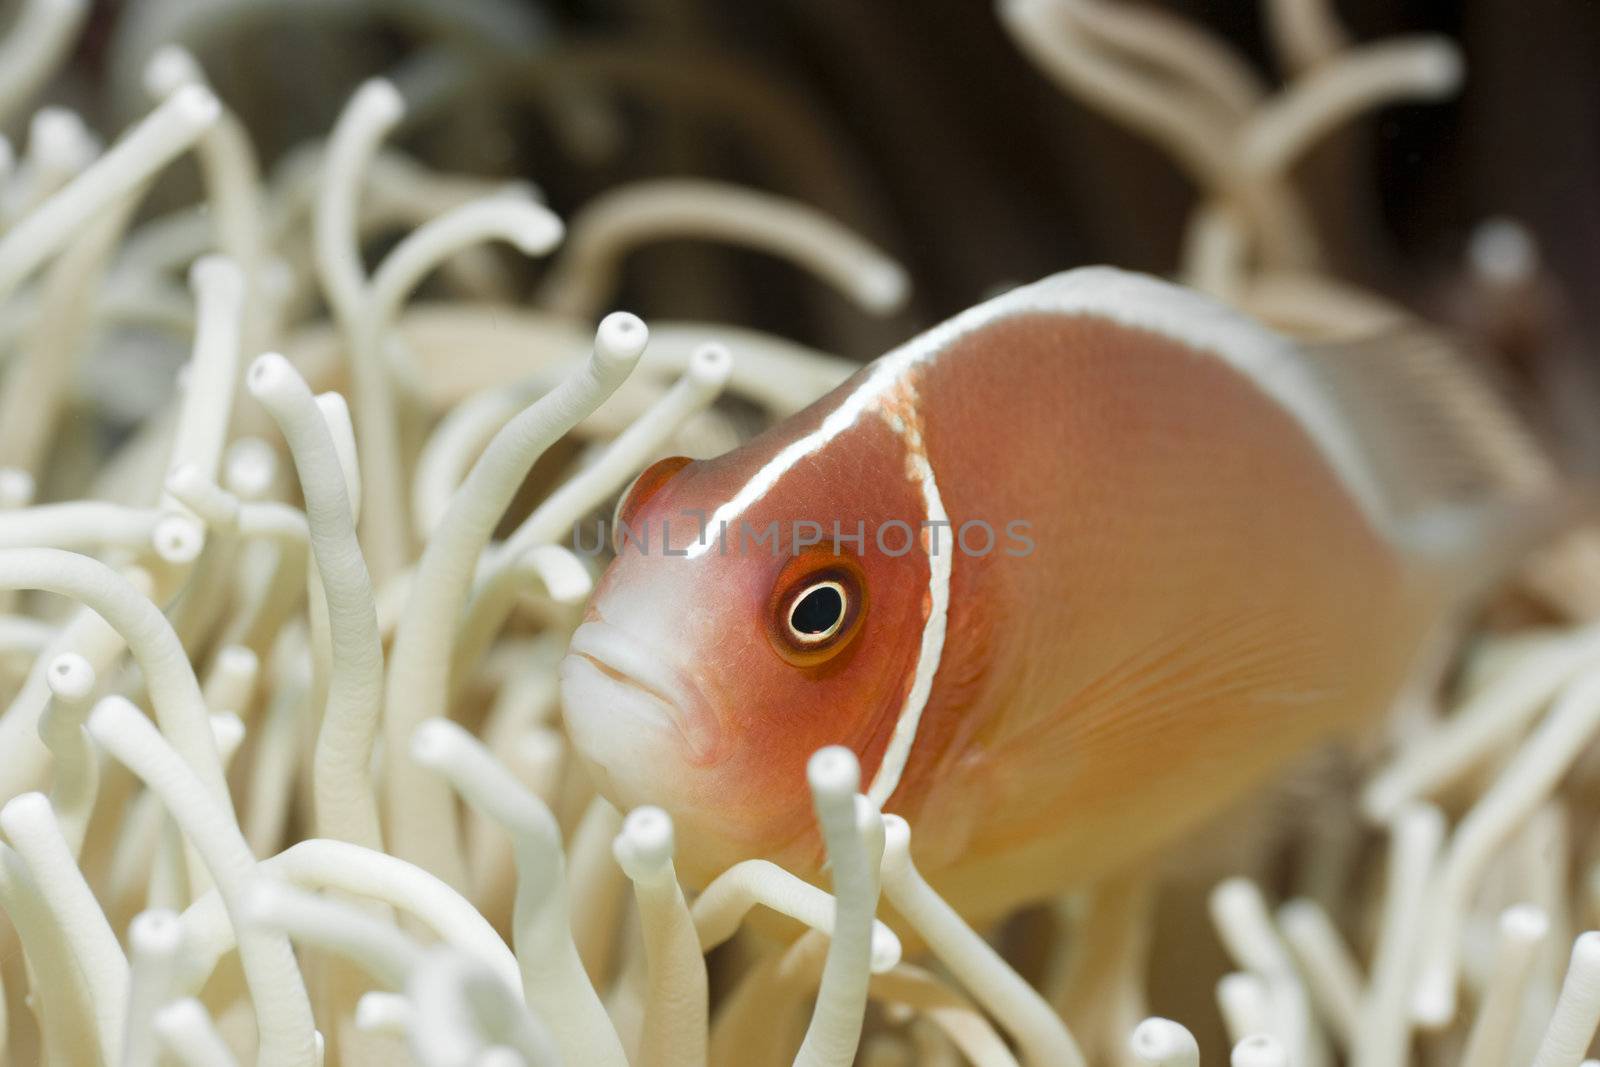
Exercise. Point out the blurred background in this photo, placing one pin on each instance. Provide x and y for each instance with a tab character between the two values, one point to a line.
920	124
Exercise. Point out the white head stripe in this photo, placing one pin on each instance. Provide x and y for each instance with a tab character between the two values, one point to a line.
898	753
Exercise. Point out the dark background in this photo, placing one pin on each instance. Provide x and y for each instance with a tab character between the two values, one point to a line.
919	123
922	125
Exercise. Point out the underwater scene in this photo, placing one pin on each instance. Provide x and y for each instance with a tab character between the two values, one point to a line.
844	533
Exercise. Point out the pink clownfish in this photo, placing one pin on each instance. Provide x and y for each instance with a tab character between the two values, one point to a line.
1068	573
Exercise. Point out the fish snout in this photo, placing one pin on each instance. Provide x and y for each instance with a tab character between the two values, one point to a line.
617	671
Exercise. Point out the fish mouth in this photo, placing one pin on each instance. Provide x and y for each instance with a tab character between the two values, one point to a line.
627	662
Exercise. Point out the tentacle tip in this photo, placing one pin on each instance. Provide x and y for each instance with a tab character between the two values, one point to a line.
647	836
1443	66
433	741
382	99
58	134
370	1014
1259	1050
500	1056
17	487
178	1016
884	288
170	69
249	468
196	106
178	539
156	931
1379	801
107	716
566	579
1433	1006
887	950
541	231
70	677
896	832
620	339
1527	923
869	821
1420	819
227	730
1158	1039
711	365
1233	894
217	276
238	659
268	371
335	410
185	479
1503	251
22	809
1586	952
833	772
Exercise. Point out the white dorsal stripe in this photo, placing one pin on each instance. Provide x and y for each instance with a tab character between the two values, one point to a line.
1274	363
1269	360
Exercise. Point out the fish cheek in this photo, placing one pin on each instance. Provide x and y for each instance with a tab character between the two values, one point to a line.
777	717
772	723
804	708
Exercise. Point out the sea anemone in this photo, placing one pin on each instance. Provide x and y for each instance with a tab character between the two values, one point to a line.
282	771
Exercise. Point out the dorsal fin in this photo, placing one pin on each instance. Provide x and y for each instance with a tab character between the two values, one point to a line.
1458	472
1415	433
1434	456
1434	430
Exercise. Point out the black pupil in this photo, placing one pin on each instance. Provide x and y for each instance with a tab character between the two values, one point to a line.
817	611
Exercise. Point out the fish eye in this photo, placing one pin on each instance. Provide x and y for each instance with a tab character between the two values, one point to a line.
817	613
816	610
639	491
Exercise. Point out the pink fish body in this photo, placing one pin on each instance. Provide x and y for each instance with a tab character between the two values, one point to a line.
1108	555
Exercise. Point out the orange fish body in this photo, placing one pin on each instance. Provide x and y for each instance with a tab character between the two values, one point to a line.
1095	558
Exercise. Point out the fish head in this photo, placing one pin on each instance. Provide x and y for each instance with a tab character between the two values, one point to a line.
714	660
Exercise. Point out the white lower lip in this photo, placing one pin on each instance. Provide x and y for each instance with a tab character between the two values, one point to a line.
632	667
625	734
592	690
